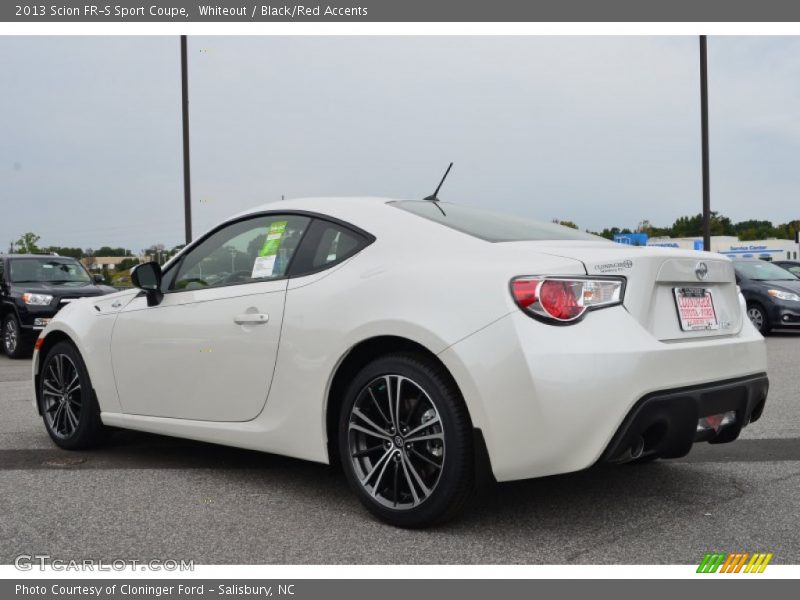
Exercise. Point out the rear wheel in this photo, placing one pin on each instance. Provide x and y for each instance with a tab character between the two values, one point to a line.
405	441
758	317
16	343
69	409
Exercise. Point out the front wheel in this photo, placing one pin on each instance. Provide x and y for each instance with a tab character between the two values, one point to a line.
16	344
68	405
405	441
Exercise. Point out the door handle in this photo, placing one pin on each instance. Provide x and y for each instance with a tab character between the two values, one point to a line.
251	319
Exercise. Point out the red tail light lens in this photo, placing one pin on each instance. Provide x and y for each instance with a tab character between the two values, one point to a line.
565	299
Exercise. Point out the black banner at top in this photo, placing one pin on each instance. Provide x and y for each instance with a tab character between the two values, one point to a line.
183	11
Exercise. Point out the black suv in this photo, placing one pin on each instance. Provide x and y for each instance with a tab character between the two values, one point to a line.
32	290
771	292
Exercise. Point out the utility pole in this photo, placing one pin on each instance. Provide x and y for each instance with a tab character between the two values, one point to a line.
704	142
187	190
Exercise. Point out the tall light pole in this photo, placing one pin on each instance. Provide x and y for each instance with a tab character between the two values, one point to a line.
704	142
187	188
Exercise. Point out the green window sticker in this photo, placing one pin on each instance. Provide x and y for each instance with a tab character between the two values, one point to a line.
274	237
264	265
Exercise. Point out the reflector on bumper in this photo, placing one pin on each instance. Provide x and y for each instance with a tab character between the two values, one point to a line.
715	422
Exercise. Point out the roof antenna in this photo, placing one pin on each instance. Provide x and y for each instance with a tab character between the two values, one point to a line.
435	196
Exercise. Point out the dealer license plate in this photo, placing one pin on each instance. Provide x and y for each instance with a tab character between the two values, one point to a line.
695	309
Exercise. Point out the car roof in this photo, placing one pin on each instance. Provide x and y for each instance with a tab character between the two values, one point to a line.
36	256
344	208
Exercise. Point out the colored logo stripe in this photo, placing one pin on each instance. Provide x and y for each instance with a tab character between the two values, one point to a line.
734	562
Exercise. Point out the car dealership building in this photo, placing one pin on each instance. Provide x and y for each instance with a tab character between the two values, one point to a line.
770	249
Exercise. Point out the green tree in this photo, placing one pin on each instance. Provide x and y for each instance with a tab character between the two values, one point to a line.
65	251
125	265
569	224
26	244
109	251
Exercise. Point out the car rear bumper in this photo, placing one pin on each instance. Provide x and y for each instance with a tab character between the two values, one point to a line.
665	423
551	400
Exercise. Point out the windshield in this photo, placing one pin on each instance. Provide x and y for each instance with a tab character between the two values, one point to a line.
763	271
489	225
48	270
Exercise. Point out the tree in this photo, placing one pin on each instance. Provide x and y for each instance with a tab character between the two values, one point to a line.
109	251
27	243
126	264
65	251
569	224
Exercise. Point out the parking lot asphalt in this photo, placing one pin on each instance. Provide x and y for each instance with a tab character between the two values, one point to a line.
150	497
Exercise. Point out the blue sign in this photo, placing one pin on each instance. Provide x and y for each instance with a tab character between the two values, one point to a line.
631	239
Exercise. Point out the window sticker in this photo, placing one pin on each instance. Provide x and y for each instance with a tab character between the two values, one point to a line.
264	265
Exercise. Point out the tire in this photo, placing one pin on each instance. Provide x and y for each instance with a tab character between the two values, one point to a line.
401	479
69	408
758	317
16	343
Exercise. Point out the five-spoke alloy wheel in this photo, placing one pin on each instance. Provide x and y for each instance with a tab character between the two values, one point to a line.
405	441
16	343
66	400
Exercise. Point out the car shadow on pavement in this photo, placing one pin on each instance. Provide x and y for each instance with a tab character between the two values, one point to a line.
582	499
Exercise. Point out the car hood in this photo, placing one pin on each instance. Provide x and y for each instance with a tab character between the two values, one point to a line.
785	285
72	289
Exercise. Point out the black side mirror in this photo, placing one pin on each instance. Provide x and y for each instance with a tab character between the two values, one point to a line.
147	277
99	279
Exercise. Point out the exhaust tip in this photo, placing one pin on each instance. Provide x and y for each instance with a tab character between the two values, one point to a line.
637	448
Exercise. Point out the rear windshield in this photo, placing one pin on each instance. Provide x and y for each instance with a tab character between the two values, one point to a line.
763	271
489	225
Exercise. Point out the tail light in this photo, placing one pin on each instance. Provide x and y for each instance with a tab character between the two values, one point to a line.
565	299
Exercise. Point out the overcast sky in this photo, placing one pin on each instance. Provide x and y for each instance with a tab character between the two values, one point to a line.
602	131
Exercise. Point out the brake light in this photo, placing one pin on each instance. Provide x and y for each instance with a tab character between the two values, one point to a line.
565	299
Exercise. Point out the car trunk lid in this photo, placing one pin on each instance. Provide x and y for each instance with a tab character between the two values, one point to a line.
652	277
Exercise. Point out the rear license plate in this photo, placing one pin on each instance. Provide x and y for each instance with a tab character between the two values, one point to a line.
695	309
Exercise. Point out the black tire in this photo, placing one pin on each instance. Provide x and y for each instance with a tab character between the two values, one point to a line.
429	406
16	343
72	419
759	318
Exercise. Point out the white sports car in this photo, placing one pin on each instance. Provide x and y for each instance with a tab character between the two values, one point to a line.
421	344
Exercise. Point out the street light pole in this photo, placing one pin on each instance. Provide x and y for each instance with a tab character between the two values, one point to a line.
187	190
704	137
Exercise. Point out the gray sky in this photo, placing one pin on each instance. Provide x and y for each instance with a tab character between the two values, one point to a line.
600	130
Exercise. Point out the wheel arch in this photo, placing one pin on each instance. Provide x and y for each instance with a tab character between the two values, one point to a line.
52	338
364	352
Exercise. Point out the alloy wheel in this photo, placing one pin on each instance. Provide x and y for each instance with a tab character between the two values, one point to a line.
61	395
10	336
396	442
756	317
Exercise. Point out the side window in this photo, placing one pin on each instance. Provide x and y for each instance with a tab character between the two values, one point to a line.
253	250
325	245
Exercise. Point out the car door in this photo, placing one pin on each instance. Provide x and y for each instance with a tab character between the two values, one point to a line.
208	350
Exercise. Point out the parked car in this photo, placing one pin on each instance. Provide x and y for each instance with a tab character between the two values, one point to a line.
790	265
422	345
772	294
33	288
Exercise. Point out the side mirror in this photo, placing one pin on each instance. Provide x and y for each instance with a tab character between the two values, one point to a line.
98	279
147	277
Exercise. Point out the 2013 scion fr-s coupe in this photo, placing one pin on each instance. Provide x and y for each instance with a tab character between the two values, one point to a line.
421	344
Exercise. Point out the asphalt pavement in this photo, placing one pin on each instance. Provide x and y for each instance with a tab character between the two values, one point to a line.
150	497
